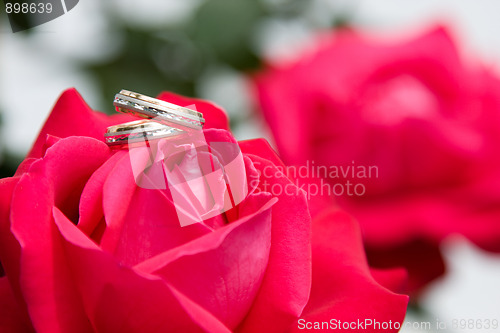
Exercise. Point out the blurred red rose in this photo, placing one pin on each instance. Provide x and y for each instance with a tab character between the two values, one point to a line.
425	119
84	249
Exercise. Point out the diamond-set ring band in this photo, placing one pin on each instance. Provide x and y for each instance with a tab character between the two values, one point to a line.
138	131
151	108
161	119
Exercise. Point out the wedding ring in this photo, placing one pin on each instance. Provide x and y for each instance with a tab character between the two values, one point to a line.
164	112
138	131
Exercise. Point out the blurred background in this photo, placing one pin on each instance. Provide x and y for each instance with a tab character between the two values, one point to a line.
207	48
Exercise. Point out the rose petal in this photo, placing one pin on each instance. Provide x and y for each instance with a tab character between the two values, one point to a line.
343	288
11	318
140	222
261	148
69	164
120	299
223	270
9	248
286	285
72	116
91	205
394	279
51	300
13	313
421	259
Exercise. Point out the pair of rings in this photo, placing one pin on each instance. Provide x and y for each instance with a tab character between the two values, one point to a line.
160	119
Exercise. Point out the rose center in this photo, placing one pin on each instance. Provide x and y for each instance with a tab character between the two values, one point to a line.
398	99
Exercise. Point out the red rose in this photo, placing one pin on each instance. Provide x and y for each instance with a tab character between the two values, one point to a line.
85	249
426	120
